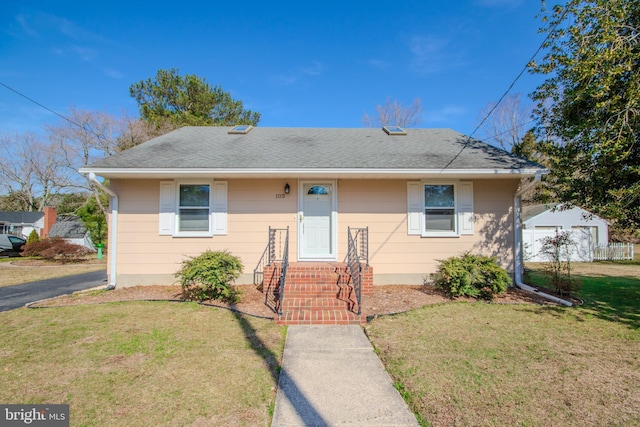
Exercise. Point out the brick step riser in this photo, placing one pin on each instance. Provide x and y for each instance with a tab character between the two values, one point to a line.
316	304
301	272
308	322
325	317
315	279
313	287
316	295
320	296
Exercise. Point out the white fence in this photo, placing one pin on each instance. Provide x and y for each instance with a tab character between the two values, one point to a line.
582	250
613	251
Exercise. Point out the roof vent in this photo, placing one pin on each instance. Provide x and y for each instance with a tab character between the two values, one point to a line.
241	129
394	130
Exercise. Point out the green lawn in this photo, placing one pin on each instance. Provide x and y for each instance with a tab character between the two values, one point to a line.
480	364
520	365
615	298
142	363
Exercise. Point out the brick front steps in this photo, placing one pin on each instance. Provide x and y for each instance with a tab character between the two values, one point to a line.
318	293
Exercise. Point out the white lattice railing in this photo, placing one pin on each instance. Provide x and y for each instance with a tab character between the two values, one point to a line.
613	252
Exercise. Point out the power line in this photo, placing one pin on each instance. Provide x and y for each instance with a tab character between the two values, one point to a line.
85	127
551	30
519	74
522	125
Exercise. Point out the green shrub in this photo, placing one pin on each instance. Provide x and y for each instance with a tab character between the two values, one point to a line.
55	249
470	275
33	237
209	276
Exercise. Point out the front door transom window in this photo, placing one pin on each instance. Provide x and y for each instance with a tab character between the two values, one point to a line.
318	189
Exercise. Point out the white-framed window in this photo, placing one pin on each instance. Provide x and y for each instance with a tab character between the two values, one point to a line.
193	208
440	208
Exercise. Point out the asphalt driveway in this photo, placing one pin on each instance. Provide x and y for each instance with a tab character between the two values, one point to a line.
18	295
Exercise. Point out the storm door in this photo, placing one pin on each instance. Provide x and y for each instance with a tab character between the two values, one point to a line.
316	222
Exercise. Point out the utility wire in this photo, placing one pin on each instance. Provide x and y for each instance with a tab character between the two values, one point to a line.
86	128
522	125
551	30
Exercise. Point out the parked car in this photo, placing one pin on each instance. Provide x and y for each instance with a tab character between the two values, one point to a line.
11	245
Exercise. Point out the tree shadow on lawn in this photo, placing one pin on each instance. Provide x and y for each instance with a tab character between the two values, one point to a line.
305	409
616	299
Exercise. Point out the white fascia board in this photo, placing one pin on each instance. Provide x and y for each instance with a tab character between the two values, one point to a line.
311	173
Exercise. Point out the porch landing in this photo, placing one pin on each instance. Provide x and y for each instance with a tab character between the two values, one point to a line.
316	293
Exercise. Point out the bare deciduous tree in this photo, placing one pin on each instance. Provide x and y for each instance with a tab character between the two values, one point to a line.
42	167
35	172
395	114
86	137
133	131
508	123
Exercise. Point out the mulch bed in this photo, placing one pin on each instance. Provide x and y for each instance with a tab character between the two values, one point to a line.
387	299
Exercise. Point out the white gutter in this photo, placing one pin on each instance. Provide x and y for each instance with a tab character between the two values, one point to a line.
113	230
517	247
303	172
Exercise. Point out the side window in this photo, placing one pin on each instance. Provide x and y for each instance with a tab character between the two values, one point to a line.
194	207
439	208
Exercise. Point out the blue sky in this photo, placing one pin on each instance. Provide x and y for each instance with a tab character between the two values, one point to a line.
300	64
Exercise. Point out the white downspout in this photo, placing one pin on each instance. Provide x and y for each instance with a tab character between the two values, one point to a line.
113	230
517	247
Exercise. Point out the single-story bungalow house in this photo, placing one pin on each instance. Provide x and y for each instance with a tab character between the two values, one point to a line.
539	221
422	195
23	223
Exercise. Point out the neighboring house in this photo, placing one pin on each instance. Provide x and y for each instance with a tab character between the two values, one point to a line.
23	223
72	230
540	221
424	194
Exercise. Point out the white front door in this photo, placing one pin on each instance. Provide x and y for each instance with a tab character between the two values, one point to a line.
316	220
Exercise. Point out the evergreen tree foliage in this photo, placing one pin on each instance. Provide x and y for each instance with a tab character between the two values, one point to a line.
174	100
93	217
33	237
588	108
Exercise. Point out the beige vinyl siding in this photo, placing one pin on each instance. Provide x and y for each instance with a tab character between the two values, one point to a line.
251	207
397	256
146	257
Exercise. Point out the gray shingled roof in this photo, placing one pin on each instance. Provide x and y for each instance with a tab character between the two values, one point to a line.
68	230
530	211
213	148
20	217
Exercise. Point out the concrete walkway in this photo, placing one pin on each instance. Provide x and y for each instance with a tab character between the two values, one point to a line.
332	377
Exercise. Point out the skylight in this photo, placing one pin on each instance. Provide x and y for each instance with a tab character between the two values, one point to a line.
394	130
241	129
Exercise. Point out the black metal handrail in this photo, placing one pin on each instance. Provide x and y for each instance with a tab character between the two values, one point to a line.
273	252
258	272
359	241
283	271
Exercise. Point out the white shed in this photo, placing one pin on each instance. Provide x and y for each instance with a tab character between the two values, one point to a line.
540	221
